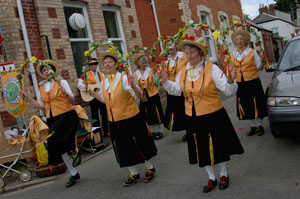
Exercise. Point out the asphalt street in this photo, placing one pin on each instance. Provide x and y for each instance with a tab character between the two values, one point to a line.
269	168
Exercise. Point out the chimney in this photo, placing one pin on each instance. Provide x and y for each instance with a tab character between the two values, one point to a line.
272	9
263	9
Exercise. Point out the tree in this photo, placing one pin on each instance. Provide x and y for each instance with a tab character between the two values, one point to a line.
287	6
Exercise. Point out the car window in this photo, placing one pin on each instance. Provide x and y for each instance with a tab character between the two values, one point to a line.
291	56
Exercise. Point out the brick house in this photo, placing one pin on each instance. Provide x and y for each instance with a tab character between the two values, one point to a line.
175	14
105	19
127	23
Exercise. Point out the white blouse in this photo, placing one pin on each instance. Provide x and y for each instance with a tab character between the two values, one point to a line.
48	86
126	87
172	62
174	88
242	56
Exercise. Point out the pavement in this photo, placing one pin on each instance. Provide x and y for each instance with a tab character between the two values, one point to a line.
13	182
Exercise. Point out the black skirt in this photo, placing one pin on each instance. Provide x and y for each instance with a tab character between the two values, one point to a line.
251	101
211	138
131	141
64	127
152	110
175	113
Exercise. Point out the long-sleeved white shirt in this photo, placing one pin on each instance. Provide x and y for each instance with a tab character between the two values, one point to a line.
241	56
126	87
172	62
48	86
174	88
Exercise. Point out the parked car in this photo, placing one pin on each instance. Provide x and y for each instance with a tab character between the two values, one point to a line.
283	93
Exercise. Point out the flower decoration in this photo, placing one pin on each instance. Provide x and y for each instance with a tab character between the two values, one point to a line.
236	22
217	35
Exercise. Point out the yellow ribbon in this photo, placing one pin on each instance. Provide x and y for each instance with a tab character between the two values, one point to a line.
211	151
111	79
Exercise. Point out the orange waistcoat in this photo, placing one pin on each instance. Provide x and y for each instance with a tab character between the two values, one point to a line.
173	71
149	84
247	67
206	99
92	79
57	102
122	106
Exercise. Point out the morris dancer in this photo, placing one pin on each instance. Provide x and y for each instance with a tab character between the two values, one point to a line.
251	100
174	115
56	100
150	105
129	133
211	138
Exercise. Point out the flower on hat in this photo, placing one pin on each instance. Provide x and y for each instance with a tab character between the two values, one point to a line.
111	50
192	38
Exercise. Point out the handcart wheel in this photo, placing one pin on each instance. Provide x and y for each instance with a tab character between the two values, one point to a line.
25	176
2	183
8	174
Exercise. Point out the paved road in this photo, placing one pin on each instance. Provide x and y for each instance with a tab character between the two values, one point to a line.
269	168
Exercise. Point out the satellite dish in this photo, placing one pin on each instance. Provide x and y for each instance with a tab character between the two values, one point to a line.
77	21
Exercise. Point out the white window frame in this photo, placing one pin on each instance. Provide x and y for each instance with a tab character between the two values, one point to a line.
211	40
223	28
119	26
89	38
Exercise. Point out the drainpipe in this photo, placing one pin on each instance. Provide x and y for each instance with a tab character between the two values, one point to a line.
28	52
156	22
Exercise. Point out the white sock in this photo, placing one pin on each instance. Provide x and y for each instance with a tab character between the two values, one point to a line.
258	122
133	170
210	172
252	123
148	165
223	170
68	162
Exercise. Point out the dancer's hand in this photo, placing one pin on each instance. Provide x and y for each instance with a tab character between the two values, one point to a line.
233	74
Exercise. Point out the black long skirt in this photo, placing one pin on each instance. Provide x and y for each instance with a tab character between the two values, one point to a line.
64	127
250	100
131	141
152	110
175	113
211	138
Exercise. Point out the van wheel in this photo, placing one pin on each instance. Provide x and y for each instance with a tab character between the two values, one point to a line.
274	132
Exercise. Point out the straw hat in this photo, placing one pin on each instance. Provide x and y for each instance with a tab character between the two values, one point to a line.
108	54
49	62
240	32
198	42
166	41
139	56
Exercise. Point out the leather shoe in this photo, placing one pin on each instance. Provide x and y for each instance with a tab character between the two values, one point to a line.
72	180
210	185
224	182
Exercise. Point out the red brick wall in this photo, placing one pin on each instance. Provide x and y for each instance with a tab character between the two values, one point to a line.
169	15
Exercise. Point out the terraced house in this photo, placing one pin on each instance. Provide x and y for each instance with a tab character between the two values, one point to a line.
46	28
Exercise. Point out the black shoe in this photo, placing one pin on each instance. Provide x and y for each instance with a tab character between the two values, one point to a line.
131	180
72	180
159	135
149	175
252	131
153	136
184	138
224	182
210	186
260	130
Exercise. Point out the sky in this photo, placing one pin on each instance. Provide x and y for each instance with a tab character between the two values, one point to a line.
251	7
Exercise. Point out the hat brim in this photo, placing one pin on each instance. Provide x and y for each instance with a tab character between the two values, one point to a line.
137	58
240	32
108	54
202	48
49	62
93	62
